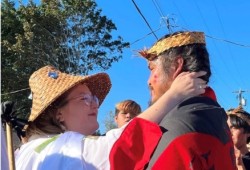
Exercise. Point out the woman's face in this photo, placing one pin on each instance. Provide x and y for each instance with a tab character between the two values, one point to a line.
79	114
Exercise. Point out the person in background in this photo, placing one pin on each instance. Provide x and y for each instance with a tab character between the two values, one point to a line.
195	132
125	111
64	113
239	124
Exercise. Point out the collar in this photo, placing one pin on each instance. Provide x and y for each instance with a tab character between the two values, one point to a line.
209	92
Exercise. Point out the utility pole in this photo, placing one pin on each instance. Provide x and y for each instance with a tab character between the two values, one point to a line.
242	100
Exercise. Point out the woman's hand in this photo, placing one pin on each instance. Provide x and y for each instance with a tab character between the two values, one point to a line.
188	84
185	85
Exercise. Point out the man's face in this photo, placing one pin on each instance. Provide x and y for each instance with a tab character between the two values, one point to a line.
158	82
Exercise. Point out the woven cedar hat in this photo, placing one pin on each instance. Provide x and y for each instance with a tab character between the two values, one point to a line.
175	40
48	84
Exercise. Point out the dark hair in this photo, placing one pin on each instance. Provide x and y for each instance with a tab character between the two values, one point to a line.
238	123
47	123
195	56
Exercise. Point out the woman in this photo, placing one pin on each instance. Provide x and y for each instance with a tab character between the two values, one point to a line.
64	112
239	124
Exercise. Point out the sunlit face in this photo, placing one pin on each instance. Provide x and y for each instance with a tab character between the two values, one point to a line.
238	136
79	114
123	117
158	81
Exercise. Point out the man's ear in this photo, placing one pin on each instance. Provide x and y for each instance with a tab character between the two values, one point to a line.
178	67
59	116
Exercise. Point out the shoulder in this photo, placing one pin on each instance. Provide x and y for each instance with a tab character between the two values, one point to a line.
197	114
31	145
197	104
26	155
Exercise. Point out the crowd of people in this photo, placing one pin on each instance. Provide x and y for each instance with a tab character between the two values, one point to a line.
183	128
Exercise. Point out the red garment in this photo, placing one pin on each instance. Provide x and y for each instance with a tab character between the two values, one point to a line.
135	145
196	151
210	93
192	145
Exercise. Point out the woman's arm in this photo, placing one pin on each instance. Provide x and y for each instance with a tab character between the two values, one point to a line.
185	85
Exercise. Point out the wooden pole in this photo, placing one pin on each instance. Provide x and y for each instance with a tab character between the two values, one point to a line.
10	146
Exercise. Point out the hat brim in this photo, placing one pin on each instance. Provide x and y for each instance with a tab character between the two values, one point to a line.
99	84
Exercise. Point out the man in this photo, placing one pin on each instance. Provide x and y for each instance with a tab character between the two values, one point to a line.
195	133
125	111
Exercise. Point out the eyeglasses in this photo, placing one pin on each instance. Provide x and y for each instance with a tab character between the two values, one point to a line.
88	99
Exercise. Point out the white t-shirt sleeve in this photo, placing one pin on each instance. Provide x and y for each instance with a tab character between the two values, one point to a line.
70	150
97	148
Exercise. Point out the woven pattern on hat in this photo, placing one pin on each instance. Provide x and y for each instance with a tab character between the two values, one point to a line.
48	84
176	40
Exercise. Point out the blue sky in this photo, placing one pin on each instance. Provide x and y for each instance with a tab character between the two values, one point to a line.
225	19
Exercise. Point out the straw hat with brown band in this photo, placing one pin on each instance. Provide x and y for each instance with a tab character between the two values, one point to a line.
48	84
176	40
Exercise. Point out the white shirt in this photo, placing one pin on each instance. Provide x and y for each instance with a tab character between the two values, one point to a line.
68	151
4	156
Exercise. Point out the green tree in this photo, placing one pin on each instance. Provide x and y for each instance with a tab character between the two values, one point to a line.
71	35
109	121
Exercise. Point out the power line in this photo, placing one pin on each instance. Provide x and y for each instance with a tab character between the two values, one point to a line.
231	42
179	13
199	10
137	8
229	49
156	4
209	36
164	18
139	39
